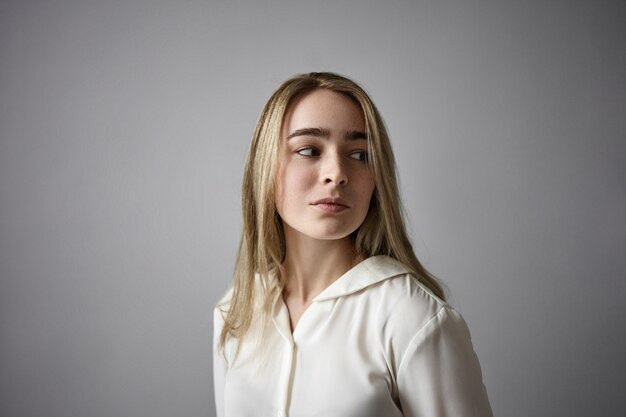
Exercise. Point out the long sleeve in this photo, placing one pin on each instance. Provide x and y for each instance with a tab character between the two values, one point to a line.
439	373
219	364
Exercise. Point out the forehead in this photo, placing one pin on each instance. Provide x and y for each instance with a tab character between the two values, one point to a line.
324	109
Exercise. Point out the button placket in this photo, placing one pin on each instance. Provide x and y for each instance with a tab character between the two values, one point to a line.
286	371
285	379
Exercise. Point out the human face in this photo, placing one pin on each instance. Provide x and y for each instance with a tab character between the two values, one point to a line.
324	186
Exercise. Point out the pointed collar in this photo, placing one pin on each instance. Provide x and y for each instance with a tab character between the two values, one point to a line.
368	272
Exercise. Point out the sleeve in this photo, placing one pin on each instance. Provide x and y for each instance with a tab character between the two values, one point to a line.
439	373
219	364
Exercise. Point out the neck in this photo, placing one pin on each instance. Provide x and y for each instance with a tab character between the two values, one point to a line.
311	265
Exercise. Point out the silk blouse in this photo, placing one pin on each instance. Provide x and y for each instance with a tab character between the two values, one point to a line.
375	343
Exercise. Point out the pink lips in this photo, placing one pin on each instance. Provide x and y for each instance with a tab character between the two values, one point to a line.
331	205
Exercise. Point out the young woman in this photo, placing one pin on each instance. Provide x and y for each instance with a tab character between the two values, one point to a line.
331	314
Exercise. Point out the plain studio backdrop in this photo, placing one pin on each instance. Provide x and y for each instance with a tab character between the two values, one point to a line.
124	127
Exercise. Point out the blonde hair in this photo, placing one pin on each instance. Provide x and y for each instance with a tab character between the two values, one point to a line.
262	244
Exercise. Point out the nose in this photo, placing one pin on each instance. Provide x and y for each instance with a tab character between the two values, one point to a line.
334	171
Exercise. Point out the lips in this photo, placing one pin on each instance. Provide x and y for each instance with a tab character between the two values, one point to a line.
331	205
333	200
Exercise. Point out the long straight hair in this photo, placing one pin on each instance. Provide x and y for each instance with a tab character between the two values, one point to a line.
262	244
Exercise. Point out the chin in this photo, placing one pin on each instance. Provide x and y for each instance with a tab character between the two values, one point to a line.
330	234
324	230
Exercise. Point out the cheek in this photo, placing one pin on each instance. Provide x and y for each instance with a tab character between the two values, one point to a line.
298	178
293	182
366	186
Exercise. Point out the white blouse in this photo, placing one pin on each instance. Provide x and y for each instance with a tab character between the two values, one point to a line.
375	343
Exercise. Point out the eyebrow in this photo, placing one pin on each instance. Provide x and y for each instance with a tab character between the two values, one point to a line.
325	133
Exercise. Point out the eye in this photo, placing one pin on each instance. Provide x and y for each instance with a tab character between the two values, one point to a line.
309	151
362	156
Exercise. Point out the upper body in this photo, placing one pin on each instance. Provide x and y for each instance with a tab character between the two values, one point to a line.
376	342
323	321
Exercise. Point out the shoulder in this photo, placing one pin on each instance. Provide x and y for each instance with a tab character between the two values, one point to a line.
258	296
224	302
221	310
407	306
404	302
407	312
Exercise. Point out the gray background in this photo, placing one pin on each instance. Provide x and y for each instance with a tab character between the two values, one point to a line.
124	126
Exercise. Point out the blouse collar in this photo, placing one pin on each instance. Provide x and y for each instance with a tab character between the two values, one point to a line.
368	272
